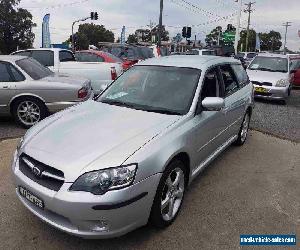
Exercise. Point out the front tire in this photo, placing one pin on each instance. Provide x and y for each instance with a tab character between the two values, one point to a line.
169	195
28	111
243	133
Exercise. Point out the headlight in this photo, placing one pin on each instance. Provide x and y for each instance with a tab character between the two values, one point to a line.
99	182
282	83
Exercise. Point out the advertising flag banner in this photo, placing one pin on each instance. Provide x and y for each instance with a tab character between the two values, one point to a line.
46	42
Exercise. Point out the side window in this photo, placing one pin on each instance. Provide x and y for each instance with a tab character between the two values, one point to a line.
4	74
240	74
66	56
229	80
17	75
44	57
211	86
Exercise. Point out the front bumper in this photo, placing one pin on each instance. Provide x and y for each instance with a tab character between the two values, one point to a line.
272	92
91	216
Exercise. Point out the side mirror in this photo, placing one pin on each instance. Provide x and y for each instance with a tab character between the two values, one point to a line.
213	103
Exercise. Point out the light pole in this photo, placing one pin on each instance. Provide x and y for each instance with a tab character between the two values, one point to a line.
160	23
237	33
77	21
286	25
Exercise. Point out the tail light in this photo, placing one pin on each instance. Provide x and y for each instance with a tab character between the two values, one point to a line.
113	73
82	93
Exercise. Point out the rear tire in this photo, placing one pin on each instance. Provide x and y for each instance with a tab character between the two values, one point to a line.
28	111
243	133
169	195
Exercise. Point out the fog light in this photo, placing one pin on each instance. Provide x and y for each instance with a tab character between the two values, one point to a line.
100	226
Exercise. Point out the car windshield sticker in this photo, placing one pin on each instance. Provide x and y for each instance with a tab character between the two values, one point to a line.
254	66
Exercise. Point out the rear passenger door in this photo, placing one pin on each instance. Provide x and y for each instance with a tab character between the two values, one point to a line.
234	103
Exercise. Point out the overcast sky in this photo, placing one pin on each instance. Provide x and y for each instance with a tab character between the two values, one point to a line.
113	14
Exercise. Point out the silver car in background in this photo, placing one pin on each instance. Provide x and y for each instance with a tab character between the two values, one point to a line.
105	167
270	75
30	91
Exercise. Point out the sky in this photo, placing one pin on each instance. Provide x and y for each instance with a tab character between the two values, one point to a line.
202	15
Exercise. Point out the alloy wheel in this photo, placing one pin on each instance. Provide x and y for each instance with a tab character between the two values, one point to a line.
172	194
28	113
245	127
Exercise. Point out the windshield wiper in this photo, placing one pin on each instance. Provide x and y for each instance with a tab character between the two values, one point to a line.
264	69
163	111
118	103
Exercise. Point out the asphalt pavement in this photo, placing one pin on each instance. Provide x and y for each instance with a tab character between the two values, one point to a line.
253	189
277	119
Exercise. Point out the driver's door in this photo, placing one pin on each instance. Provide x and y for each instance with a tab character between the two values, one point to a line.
208	125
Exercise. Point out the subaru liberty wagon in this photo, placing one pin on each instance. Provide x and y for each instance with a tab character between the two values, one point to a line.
107	166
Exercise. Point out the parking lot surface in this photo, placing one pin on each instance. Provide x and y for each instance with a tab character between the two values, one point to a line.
277	119
253	189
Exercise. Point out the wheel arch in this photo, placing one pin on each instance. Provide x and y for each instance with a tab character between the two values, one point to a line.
185	159
24	95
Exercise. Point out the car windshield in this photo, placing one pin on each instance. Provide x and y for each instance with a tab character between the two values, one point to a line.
208	52
240	54
192	52
167	90
273	64
33	68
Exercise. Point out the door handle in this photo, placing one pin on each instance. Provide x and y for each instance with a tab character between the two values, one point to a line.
5	87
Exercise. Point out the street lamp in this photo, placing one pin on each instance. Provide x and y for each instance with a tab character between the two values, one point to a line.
237	34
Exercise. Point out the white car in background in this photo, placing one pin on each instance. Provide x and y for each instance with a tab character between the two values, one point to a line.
270	75
101	74
201	52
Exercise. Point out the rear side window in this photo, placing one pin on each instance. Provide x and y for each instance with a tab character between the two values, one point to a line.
88	57
229	80
240	74
44	57
66	56
4	74
23	53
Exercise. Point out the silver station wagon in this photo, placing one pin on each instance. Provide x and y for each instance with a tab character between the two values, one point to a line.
107	166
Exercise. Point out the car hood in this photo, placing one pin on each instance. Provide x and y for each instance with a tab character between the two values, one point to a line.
65	78
266	76
93	136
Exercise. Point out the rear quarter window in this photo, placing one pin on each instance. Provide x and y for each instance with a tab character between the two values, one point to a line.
44	57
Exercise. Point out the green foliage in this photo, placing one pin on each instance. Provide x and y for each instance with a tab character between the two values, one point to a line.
15	27
91	34
270	41
251	43
132	38
212	37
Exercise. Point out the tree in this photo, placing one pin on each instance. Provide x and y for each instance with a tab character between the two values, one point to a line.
143	35
91	34
15	27
252	40
270	41
154	32
132	38
212	37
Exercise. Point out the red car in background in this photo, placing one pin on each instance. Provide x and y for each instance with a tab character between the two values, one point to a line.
296	77
100	56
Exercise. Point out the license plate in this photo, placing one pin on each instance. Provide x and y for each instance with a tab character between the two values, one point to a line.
31	197
261	90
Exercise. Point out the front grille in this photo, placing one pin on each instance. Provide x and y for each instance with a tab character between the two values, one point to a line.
40	173
262	83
